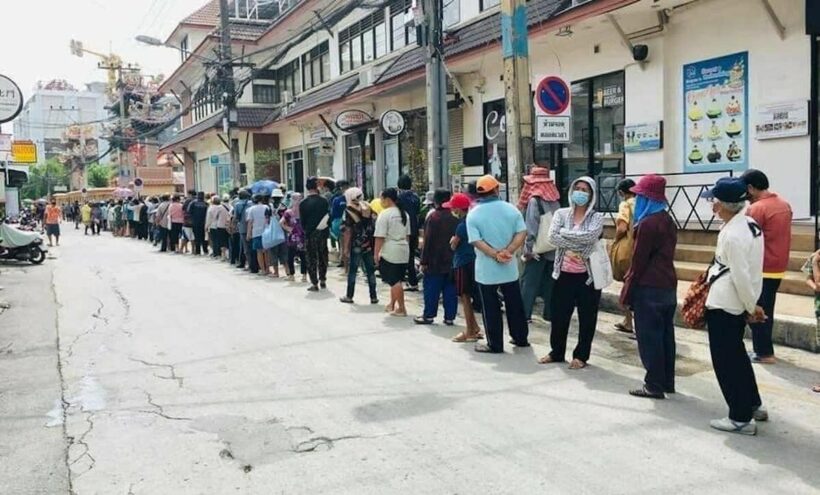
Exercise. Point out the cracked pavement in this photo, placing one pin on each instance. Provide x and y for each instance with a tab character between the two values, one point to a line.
165	374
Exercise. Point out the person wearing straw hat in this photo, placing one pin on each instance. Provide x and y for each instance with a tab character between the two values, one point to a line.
539	197
650	287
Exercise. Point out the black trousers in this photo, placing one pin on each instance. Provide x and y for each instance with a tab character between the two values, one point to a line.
200	245
317	256
493	324
412	275
176	229
762	332
250	253
233	248
570	292
292	255
655	329
732	365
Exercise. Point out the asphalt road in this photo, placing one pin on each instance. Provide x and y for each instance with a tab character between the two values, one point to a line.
127	371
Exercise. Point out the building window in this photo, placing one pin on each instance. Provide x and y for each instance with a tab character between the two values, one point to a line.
452	12
402	27
362	42
316	66
294	168
265	93
488	4
183	48
287	77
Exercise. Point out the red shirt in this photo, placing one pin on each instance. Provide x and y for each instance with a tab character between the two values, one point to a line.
774	215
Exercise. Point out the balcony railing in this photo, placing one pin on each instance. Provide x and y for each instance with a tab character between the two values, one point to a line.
263	10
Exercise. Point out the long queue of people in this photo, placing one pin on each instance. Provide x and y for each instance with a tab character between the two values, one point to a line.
470	248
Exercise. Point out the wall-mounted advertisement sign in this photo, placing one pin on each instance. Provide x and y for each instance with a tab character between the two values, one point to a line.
350	119
782	120
392	122
643	137
716	122
23	152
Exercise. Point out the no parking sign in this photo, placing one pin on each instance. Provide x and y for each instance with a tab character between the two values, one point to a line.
553	110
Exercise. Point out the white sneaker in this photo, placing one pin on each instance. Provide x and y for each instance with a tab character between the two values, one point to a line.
730	426
761	414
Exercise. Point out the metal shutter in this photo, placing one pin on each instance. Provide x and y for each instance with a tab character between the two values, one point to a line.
456	118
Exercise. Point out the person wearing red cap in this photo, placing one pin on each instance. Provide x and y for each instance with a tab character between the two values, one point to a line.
650	287
464	266
497	230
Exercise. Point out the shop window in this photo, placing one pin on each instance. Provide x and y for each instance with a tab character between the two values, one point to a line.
316	66
362	42
402	26
183	48
488	4
265	93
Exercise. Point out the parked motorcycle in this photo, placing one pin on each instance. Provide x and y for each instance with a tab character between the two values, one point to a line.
20	245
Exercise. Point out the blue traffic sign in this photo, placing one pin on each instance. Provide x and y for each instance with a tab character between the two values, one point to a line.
553	95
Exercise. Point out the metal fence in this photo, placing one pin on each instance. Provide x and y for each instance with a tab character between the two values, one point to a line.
683	191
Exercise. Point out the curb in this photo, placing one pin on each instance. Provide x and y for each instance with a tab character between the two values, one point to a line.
789	331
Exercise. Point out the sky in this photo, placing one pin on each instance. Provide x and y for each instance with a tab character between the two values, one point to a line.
36	34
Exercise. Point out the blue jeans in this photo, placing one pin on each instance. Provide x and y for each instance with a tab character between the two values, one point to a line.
440	285
365	260
655	330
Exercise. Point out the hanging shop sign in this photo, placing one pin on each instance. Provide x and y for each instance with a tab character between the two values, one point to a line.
643	137
11	99
350	119
716	101
553	129
553	97
327	147
392	122
23	152
782	120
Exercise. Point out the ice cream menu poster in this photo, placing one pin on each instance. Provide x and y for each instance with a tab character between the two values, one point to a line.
715	98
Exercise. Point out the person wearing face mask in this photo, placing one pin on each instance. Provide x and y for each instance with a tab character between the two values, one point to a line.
575	231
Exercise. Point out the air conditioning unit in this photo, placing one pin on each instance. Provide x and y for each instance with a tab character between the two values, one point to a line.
367	77
287	97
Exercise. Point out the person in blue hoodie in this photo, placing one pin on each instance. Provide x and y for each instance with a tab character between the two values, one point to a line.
337	211
410	203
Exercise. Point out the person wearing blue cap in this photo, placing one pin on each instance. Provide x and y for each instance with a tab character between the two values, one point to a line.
735	280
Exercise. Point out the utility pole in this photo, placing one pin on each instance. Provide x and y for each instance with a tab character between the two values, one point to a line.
516	92
438	130
228	87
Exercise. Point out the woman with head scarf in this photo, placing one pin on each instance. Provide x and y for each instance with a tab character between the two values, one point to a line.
295	236
539	197
650	288
359	222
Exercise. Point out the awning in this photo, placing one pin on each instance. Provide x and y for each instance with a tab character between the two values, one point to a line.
248	118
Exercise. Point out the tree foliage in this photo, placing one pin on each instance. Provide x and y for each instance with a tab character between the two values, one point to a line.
44	176
98	175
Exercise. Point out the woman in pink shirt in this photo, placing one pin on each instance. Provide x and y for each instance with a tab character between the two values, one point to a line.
177	220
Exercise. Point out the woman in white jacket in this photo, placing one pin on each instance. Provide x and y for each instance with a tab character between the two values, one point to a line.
736	279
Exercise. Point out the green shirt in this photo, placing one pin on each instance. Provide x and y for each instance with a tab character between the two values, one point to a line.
808	269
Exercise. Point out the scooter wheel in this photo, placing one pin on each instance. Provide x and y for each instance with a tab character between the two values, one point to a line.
36	255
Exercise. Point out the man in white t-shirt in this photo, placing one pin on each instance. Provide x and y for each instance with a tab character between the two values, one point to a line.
257	218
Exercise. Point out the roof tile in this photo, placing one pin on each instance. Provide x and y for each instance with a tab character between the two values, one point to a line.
323	95
207	15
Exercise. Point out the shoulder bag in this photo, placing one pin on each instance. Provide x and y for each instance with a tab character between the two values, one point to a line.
694	304
542	240
600	267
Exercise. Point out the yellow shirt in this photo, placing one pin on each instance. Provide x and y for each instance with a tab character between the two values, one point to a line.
86	213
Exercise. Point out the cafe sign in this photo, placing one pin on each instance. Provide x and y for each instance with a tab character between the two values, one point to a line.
23	152
11	99
350	119
392	122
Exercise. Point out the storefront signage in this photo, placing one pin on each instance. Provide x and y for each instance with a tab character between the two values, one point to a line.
23	152
392	122
350	119
553	129
608	96
60	189
327	147
780	120
552	97
643	137
11	99
716	123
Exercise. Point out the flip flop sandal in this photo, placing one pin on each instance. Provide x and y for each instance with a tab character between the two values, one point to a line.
463	337
420	320
646	394
816	389
622	328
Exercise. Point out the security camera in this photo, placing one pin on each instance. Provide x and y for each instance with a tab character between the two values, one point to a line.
640	53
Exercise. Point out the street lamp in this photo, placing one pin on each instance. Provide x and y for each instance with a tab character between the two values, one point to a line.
151	41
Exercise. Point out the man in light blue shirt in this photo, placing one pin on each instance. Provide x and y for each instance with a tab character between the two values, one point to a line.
497	230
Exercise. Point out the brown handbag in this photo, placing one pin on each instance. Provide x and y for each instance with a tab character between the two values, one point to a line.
694	304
